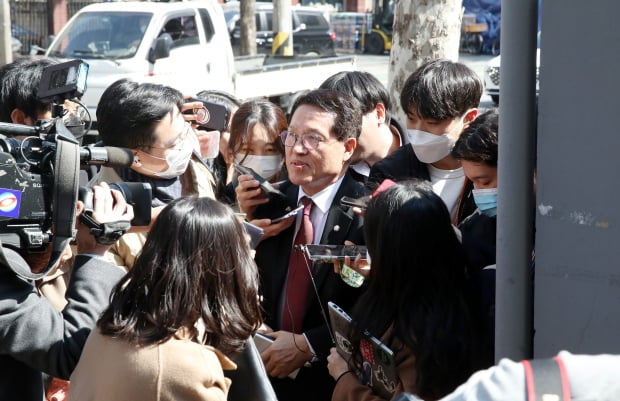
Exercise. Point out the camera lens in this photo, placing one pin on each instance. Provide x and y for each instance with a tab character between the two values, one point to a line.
202	115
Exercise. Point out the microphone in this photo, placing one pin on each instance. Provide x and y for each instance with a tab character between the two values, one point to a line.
9	129
109	156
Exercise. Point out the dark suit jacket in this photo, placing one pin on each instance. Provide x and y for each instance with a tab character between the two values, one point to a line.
403	164
272	258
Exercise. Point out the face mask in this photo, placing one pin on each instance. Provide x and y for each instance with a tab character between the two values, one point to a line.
486	200
177	158
265	166
428	147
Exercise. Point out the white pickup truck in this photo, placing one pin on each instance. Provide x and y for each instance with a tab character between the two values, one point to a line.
185	45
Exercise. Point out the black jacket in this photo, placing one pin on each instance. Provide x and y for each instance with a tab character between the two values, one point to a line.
403	164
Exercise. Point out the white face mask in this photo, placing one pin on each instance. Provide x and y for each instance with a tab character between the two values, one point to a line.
428	147
178	158
265	166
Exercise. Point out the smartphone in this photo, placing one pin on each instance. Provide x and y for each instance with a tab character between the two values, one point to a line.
329	253
262	341
287	215
263	183
362	203
213	117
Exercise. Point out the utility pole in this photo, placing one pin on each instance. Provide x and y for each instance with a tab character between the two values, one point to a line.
282	28
6	50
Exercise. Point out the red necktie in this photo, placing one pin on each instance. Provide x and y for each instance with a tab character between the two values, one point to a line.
298	281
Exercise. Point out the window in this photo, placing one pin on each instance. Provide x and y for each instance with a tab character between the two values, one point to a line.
311	20
182	30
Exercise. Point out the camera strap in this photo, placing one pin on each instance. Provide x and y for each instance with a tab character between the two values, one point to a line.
64	192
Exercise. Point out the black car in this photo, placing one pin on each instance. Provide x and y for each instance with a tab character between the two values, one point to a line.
312	33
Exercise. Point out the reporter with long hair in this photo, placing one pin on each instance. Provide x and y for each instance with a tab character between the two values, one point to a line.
189	303
416	301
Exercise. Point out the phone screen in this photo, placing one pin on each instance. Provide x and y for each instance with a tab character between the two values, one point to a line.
328	253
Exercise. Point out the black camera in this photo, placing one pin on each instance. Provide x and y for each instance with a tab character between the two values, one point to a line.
39	184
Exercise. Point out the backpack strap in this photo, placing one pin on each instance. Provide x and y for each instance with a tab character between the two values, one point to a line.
546	380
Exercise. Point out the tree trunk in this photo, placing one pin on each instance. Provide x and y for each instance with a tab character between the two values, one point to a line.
247	40
423	30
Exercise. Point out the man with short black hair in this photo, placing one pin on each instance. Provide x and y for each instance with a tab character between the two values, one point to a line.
440	98
381	134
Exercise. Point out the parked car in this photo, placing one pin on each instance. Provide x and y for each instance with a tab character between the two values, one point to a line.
312	33
491	74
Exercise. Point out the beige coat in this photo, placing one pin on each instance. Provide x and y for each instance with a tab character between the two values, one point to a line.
197	180
176	370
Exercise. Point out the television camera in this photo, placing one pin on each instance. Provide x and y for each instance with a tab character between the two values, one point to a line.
39	170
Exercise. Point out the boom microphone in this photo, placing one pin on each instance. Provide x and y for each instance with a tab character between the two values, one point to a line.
109	156
10	130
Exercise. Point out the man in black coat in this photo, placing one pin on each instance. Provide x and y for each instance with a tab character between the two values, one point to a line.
440	99
319	143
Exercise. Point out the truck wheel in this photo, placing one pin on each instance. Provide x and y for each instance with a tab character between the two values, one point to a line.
495	99
374	43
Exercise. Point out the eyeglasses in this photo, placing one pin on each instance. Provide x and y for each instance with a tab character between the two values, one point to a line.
289	139
174	144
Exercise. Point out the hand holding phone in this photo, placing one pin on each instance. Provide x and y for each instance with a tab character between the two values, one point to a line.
212	116
262	341
263	183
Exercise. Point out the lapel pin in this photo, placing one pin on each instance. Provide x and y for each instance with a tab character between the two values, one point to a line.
336	228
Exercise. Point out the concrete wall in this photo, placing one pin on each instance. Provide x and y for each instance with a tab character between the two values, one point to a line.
577	284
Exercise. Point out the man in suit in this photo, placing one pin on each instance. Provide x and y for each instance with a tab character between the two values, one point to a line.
319	144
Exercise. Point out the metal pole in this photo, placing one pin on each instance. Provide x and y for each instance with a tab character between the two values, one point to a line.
282	28
6	48
517	150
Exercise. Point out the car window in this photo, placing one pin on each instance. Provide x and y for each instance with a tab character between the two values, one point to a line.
311	20
269	21
103	35
182	30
